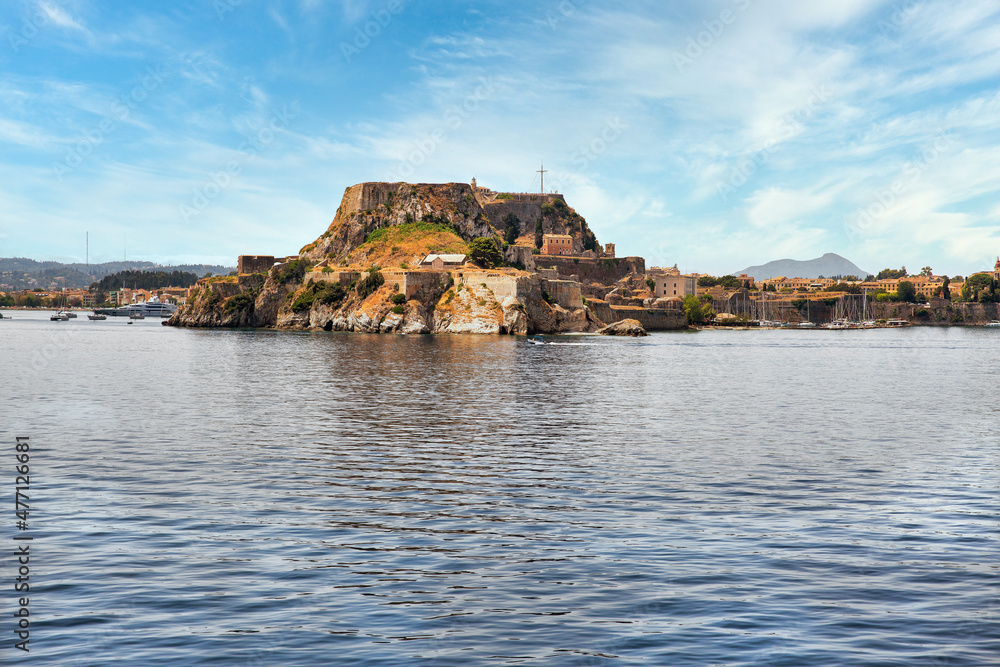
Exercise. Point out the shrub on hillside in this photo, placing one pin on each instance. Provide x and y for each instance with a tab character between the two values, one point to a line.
370	283
292	272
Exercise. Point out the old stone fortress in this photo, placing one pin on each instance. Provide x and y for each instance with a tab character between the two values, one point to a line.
586	286
556	277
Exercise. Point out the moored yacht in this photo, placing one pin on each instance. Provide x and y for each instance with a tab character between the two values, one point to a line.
152	308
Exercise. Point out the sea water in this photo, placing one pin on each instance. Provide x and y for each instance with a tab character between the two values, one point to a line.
216	497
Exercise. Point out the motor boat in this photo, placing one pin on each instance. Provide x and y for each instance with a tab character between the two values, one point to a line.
153	308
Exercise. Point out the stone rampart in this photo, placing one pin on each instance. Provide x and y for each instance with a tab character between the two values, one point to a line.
651	320
503	285
343	276
603	271
566	293
366	197
254	263
424	285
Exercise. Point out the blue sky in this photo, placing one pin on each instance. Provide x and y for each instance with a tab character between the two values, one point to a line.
712	134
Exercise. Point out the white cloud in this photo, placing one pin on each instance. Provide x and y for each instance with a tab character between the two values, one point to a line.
60	17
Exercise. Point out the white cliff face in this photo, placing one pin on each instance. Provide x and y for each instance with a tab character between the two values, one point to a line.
468	309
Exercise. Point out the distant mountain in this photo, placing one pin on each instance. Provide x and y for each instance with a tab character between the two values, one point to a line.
828	266
21	273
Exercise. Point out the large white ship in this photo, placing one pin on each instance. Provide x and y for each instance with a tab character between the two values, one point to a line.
152	308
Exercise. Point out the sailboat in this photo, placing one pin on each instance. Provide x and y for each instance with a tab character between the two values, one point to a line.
808	323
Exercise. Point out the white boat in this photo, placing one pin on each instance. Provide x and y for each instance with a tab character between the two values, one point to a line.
153	308
992	325
97	316
59	317
807	325
136	315
70	314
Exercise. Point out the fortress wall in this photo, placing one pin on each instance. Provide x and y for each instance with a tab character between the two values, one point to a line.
254	263
603	271
345	278
425	286
532	197
566	293
366	196
502	284
651	320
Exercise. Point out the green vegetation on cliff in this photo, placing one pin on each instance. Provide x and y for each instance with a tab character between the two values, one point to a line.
330	294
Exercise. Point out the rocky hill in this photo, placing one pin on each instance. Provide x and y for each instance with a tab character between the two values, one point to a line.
363	273
457	212
828	266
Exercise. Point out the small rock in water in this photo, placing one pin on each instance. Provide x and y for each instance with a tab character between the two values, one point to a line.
624	328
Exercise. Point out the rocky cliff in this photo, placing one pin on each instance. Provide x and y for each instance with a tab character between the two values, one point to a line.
367	209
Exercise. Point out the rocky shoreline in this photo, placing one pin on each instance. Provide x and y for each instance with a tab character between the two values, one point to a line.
467	301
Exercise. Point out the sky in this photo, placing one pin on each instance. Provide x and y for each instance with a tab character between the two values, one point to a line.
714	134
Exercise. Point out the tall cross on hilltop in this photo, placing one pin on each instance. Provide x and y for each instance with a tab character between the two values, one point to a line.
543	171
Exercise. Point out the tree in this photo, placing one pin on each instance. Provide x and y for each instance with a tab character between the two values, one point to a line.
945	289
512	228
484	251
891	273
539	231
976	284
927	271
651	284
693	310
730	282
907	291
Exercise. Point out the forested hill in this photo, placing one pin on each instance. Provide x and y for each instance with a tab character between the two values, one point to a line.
18	273
145	280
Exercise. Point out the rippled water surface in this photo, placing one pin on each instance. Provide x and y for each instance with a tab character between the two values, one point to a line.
712	498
